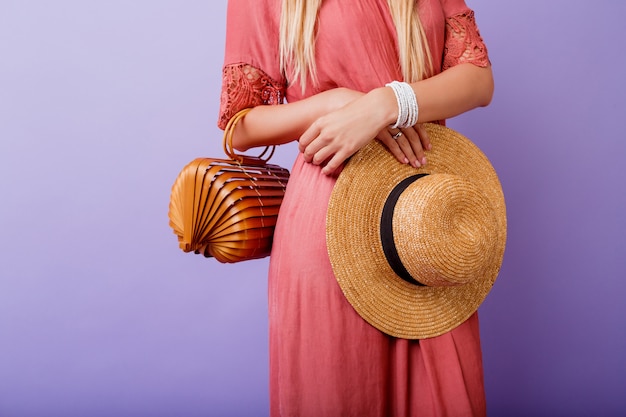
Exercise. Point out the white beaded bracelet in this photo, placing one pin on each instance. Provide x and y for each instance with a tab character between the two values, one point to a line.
408	110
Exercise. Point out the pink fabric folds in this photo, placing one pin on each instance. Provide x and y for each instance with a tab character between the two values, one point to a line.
325	361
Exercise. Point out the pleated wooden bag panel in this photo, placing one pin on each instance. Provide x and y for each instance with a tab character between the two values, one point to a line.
226	210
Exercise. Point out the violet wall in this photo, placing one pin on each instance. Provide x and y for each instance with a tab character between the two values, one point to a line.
102	103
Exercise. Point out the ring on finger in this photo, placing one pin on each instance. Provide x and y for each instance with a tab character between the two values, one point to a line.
397	135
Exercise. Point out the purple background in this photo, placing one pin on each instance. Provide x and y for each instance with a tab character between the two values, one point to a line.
102	103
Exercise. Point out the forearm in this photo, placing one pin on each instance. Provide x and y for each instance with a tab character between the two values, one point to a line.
339	134
275	125
448	94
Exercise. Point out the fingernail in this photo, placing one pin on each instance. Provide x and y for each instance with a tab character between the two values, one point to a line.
416	164
424	161
406	160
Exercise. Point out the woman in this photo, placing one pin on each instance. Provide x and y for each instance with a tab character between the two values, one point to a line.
332	61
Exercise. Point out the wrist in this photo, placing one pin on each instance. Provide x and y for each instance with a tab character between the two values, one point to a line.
406	101
386	103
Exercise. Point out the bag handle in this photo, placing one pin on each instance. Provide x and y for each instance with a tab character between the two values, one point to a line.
228	139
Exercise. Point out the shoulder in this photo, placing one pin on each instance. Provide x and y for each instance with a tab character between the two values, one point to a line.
454	7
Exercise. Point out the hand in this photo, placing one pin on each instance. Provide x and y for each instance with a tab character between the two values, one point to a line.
337	135
407	145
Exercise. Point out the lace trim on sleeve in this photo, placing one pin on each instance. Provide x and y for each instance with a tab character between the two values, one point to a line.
246	86
463	42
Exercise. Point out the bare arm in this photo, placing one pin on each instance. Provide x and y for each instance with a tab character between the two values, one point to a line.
453	92
334	137
275	125
333	125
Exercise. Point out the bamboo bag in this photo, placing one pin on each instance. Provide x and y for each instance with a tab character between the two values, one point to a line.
227	208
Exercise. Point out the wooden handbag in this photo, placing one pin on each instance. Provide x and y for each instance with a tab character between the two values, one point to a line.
227	208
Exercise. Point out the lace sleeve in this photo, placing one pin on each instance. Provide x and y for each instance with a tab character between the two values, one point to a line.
246	86
463	42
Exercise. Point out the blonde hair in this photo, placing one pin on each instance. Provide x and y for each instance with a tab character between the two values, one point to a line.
298	32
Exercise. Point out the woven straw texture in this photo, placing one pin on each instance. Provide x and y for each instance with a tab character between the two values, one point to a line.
449	229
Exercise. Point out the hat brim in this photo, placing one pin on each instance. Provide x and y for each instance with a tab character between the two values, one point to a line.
381	297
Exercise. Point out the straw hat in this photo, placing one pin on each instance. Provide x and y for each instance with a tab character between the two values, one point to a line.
416	251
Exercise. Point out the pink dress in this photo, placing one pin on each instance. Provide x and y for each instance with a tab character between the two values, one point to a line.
325	360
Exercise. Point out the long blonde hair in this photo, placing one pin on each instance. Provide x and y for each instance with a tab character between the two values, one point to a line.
297	39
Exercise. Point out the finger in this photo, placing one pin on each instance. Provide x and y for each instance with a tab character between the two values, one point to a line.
396	135
309	143
416	142
407	143
420	142
387	139
421	130
308	136
334	163
322	155
309	152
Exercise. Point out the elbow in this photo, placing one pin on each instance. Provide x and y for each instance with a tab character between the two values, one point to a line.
238	136
486	87
487	94
241	148
239	145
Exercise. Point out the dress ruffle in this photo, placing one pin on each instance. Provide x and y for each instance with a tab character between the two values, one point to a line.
246	86
463	42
